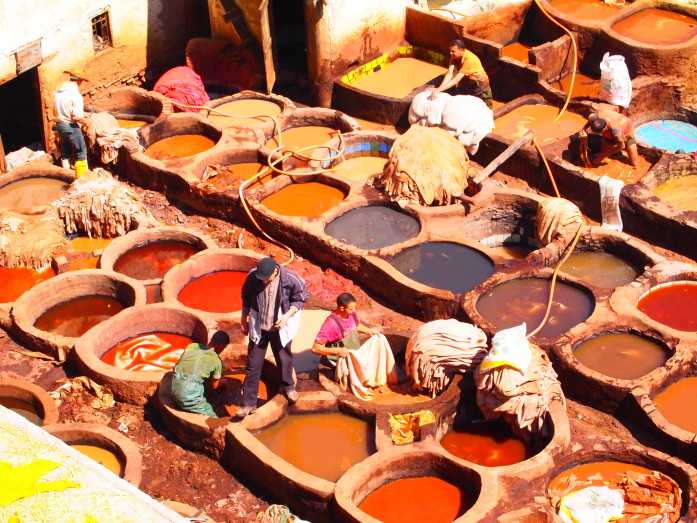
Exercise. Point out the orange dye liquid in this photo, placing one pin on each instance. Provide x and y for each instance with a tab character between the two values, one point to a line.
233	393
304	199
601	269
85	244
16	281
104	457
658	27
242	110
595	474
324	445
679	192
621	355
179	146
487	443
674	305
233	175
517	51
153	260
130	124
618	167
75	317
24	408
539	117
672	403
415	500
31	192
399	78
216	292
512	252
584	86
587	9
77	263
296	138
362	167
153	352
398	394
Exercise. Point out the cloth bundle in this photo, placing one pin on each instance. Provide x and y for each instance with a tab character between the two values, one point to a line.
370	366
105	137
441	348
557	219
183	86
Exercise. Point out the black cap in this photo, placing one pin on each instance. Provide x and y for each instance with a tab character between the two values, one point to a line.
265	268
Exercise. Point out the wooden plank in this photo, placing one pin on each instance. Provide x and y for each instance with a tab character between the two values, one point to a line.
505	155
267	46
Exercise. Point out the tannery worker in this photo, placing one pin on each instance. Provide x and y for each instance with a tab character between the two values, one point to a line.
617	132
339	332
197	364
272	297
465	75
69	115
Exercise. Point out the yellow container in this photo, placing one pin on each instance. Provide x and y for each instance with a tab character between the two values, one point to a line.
80	168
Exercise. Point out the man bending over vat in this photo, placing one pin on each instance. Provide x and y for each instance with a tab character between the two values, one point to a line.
197	364
617	132
465	75
272	297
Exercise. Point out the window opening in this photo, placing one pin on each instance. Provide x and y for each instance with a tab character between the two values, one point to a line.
101	33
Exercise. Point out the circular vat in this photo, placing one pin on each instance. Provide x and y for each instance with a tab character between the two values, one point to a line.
676	186
305	197
29	401
210	282
134	106
249	109
15	281
364	155
585	10
112	450
668	134
672	304
512	302
608	462
30	190
657	27
178	137
147	254
439	265
510	246
130	352
424	484
373	227
53	314
226	170
82	253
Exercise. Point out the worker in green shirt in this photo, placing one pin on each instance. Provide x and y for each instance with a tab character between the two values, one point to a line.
197	364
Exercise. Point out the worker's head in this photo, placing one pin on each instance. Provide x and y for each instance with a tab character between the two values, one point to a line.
219	341
457	48
598	125
267	269
76	75
346	303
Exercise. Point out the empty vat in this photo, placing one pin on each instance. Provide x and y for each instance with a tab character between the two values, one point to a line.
373	227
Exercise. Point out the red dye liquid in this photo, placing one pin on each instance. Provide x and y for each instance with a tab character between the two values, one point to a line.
215	292
673	305
417	500
153	352
152	261
488	443
16	281
75	317
672	404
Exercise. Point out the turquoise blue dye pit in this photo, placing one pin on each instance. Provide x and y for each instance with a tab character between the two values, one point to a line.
670	135
359	149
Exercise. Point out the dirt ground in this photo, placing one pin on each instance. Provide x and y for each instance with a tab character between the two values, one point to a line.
172	471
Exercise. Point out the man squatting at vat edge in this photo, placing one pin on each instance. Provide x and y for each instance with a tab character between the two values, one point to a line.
198	363
339	332
465	75
272	297
617	132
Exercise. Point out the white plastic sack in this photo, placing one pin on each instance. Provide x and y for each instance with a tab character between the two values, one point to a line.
610	190
592	505
427	112
508	347
615	83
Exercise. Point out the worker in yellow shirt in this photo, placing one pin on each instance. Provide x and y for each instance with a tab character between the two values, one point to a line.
465	75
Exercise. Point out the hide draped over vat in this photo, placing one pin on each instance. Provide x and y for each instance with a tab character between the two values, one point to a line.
441	348
369	367
556	223
426	166
105	137
30	240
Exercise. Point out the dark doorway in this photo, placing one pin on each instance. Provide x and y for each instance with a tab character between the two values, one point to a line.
21	121
287	19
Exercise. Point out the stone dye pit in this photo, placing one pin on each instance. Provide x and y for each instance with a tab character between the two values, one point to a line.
29	401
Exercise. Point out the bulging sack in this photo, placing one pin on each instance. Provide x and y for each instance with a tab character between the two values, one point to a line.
615	83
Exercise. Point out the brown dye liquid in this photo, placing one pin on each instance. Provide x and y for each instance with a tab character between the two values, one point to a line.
304	199
517	51
179	146
324	445
399	78
512	252
233	175
673	305
658	27
595	474
672	403
296	138
85	244
584	86
130	124
373	227
216	292
621	355
75	317
104	457
415	500
31	192
525	300
487	443
601	269
679	192
588	9
153	260
362	167
244	110
539	117
233	393
24	408
16	281
152	352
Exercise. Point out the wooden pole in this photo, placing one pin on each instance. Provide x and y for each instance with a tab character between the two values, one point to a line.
505	155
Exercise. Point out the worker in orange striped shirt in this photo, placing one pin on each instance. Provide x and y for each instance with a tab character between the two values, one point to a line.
465	75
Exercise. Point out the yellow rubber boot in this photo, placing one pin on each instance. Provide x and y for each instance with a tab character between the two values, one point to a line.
80	168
